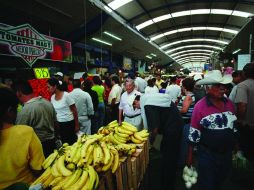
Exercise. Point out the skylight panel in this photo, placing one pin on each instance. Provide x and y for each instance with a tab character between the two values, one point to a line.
221	11
118	3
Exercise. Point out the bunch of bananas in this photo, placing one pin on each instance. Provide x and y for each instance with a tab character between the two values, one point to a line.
85	178
124	133
76	166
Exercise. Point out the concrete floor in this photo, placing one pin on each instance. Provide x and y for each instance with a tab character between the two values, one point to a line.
238	180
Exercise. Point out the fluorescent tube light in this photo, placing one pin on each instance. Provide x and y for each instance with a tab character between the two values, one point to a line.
155	37
194	46
149	57
118	3
152	54
184	55
193	12
194	40
102	41
236	51
191	50
112	35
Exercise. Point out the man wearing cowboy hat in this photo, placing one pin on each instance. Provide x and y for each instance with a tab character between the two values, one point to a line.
212	130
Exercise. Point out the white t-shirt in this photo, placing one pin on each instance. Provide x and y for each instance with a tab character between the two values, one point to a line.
141	84
151	90
115	93
62	107
128	109
174	91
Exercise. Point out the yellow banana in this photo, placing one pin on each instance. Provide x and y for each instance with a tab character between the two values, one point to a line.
113	139
137	136
123	135
90	159
56	181
43	176
50	159
98	155
81	182
96	183
136	141
131	151
124	131
85	187
87	143
77	156
89	152
129	126
61	167
106	167
115	164
72	179
121	140
92	177
144	133
46	183
54	170
113	122
106	153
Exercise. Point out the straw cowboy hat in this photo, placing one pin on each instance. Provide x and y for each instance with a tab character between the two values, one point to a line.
215	77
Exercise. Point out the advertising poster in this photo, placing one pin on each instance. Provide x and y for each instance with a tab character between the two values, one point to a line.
25	42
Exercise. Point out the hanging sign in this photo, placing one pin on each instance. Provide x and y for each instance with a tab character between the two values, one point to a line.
41	73
25	42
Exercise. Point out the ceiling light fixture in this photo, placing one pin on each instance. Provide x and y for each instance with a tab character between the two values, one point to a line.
184	55
102	41
118	3
193	28
112	35
152	54
193	46
194	12
191	50
148	56
194	40
236	51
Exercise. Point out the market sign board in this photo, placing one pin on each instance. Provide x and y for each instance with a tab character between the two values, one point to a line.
25	42
41	73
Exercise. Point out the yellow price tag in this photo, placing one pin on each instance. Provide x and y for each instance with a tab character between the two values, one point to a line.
41	73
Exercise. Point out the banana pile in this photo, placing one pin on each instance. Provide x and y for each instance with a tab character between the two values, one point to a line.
76	166
124	133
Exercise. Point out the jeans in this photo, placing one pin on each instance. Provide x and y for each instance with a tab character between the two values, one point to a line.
213	168
184	145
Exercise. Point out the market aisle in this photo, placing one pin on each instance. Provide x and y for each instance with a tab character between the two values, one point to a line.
239	180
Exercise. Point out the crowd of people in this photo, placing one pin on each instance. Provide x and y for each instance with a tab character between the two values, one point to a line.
211	115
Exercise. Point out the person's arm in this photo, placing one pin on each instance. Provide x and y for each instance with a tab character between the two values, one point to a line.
120	113
75	115
241	111
186	104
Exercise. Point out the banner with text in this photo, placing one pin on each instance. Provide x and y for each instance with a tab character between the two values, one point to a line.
25	42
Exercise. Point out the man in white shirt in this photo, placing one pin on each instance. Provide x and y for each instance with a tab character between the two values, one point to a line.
84	104
131	115
173	90
114	97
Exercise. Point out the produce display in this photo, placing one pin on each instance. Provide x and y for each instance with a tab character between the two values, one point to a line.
190	176
75	166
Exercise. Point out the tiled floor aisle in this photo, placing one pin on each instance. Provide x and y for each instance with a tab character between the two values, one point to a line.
239	180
